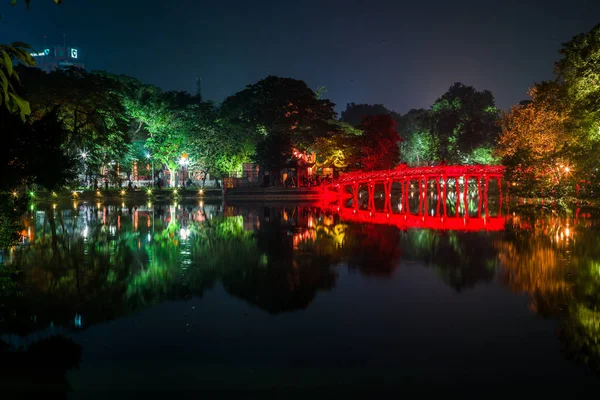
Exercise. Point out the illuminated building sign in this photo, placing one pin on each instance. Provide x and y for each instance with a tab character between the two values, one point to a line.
73	53
41	54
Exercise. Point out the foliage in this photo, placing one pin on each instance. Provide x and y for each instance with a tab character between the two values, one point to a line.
283	113
9	77
33	152
355	113
463	119
417	144
379	143
90	108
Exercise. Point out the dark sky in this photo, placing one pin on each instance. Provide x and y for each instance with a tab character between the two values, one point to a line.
401	54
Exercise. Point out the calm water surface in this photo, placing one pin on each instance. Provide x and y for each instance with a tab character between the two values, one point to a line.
207	301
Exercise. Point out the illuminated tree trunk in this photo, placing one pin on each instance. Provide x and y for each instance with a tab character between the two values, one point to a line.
500	190
479	196
487	214
437	184
466	193
457	203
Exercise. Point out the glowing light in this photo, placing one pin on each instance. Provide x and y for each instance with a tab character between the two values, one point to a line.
75	194
98	193
83	154
149	191
567	169
201	191
54	194
122	193
148	155
32	193
74	53
15	194
54	206
184	233
175	192
149	237
84	233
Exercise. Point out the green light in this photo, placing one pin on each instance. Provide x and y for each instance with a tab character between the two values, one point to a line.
32	193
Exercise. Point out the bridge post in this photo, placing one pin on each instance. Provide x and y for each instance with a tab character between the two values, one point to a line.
355	195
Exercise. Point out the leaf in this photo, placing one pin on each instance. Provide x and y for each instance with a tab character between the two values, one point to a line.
22	104
7	63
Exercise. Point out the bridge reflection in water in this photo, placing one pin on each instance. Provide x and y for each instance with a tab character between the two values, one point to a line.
438	197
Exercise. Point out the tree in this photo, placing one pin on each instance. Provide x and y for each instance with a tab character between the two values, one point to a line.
27	2
339	148
462	120
379	143
90	107
534	142
9	77
355	113
34	152
417	144
284	113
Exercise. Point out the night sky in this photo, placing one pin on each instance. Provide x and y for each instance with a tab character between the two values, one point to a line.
401	54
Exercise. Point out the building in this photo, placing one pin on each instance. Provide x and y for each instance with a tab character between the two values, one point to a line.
57	57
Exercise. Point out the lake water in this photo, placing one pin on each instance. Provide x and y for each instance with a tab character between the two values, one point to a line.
213	301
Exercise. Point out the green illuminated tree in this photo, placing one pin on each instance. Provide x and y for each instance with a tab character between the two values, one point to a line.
462	120
89	106
417	145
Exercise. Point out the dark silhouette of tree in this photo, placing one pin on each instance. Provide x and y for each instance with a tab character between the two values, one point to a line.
283	112
354	113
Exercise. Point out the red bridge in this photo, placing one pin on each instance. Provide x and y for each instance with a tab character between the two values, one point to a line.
438	197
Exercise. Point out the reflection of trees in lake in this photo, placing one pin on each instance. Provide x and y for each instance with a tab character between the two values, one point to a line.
295	263
461	260
556	260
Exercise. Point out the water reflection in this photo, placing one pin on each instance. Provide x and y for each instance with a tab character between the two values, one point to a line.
88	263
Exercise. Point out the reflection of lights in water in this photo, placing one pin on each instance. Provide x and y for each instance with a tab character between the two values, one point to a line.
149	237
200	204
567	232
112	229
184	233
77	321
432	212
85	232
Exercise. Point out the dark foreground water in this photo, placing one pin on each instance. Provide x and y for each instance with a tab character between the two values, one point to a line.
201	301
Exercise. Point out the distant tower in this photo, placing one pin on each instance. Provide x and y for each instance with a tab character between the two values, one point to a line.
199	87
